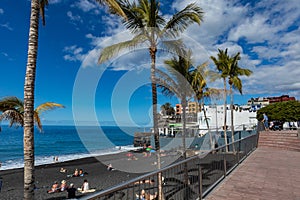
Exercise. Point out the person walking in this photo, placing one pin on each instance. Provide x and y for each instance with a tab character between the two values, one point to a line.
266	121
71	191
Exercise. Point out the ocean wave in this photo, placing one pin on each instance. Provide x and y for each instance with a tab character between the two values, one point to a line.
42	160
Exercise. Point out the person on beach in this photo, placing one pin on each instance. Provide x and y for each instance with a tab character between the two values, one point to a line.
55	159
109	167
265	121
54	188
85	186
80	173
63	186
63	170
141	196
71	191
76	173
146	196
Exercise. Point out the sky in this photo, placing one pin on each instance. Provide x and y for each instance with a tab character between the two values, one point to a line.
266	33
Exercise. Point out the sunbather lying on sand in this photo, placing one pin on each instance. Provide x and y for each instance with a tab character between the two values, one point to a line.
54	188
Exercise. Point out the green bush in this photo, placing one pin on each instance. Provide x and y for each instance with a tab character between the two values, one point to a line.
288	111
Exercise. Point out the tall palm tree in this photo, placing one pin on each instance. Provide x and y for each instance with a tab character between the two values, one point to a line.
235	82
37	9
149	27
222	64
178	83
200	85
145	22
228	68
12	109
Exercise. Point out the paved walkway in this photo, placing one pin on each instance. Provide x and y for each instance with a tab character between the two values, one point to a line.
267	174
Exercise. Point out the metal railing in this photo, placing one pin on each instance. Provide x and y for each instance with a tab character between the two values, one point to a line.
192	178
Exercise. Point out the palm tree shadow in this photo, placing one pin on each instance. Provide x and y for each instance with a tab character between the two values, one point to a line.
177	186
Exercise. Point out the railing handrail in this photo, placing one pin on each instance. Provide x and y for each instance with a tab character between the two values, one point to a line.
145	176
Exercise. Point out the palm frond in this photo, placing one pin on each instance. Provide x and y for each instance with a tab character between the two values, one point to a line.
166	84
47	106
11	103
114	7
43	4
13	116
37	121
214	93
174	46
111	51
181	20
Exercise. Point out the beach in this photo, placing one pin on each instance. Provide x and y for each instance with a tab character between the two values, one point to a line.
127	165
98	177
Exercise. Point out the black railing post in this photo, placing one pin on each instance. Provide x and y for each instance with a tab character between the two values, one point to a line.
200	181
225	167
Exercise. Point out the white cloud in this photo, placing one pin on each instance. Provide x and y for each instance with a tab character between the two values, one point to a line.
74	18
54	1
7	26
86	5
266	33
73	53
1	11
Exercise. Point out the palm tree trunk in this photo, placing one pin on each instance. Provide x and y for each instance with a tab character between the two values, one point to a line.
225	115
184	127
232	124
152	51
185	168
29	102
206	120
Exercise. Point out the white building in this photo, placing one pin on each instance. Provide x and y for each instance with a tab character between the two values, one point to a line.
243	119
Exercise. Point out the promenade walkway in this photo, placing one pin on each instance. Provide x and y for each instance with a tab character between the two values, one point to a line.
267	174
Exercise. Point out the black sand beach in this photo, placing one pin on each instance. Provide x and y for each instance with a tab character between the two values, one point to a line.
45	175
98	176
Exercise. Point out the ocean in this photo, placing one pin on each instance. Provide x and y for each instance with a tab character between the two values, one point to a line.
65	143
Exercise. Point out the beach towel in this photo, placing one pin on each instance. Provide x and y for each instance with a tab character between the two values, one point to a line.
86	191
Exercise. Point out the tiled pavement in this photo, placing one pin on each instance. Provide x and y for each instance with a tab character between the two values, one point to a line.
267	174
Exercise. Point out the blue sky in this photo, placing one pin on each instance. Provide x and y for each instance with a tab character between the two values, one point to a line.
266	33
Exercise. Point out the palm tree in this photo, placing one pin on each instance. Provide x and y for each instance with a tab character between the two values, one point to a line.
12	109
222	64
148	27
199	83
167	109
235	82
37	9
178	83
228	68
